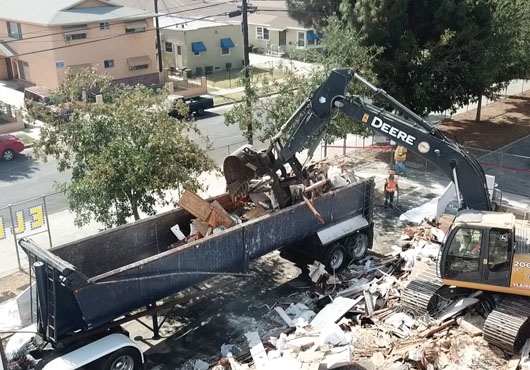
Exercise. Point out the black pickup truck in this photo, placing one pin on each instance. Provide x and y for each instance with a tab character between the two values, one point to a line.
196	105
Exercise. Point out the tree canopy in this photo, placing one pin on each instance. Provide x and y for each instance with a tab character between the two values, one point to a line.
125	154
439	54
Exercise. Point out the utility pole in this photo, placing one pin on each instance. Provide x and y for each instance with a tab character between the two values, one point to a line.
158	38
246	62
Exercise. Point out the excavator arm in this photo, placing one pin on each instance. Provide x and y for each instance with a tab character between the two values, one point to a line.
309	123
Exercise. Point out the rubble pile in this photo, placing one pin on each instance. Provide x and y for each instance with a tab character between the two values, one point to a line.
354	317
224	212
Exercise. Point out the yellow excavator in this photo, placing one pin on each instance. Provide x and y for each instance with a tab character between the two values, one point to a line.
484	250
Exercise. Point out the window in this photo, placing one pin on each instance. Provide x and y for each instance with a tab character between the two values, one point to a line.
225	51
179	50
301	39
14	31
75	36
132	29
169	47
262	33
464	252
109	63
499	250
140	66
75	32
104	25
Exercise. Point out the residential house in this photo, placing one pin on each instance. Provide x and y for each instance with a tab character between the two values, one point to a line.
278	34
200	46
40	39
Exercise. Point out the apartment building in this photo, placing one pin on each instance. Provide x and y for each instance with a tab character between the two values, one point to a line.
40	39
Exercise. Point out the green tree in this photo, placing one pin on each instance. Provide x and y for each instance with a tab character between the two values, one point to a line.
125	155
340	49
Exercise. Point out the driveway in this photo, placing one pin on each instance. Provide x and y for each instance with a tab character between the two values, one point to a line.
9	94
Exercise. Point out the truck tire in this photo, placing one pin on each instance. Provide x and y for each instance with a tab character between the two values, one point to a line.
200	111
334	257
357	245
127	358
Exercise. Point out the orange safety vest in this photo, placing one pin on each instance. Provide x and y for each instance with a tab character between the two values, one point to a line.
391	186
400	154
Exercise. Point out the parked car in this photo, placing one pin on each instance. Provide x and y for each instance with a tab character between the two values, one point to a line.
196	105
9	146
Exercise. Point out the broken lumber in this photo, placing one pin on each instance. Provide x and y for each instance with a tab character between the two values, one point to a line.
313	209
195	205
447	325
212	213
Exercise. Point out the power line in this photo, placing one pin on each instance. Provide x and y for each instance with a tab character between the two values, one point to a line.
124	22
116	36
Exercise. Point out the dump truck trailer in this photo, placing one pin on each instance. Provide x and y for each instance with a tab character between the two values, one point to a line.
87	288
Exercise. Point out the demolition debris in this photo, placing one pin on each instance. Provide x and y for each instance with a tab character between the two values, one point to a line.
356	317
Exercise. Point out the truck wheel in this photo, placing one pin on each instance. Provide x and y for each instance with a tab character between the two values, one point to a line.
8	155
123	359
334	257
200	112
357	245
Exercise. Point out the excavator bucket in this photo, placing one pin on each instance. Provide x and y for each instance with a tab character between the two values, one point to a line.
239	170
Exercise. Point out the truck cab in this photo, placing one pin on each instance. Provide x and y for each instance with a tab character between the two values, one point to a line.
197	105
488	251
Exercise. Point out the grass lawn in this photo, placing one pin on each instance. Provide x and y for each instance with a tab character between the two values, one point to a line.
26	139
228	98
230	79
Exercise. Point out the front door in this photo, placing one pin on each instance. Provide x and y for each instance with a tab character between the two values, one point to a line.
497	257
462	260
283	38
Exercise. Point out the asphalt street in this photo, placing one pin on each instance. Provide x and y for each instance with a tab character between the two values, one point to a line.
25	178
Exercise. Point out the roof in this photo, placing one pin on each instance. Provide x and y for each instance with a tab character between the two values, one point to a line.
484	218
187	24
278	20
216	10
65	12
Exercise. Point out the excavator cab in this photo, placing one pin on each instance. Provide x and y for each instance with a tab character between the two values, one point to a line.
479	250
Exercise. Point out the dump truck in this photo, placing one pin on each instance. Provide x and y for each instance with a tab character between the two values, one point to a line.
88	288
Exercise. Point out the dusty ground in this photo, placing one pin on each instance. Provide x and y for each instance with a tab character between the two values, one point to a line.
501	123
12	285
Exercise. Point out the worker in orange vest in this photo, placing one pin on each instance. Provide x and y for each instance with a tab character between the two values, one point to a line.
391	186
400	156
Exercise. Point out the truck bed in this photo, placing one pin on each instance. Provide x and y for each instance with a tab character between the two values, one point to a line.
102	277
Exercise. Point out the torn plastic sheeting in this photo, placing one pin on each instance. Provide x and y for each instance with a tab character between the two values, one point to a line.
418	214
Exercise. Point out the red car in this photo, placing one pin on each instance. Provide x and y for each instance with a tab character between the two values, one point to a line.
9	146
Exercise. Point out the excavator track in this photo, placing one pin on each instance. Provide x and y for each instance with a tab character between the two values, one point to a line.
420	296
507	326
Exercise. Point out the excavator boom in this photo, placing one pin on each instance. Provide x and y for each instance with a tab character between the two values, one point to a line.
310	122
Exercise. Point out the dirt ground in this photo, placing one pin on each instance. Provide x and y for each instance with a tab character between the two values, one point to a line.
12	285
501	123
